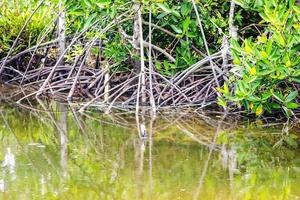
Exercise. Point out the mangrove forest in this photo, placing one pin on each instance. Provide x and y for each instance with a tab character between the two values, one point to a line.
150	99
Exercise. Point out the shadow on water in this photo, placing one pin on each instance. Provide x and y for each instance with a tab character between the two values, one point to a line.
57	153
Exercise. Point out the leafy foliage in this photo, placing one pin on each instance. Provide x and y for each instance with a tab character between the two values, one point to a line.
267	68
14	14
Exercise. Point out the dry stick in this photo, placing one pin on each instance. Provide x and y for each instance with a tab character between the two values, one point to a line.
180	77
30	49
99	88
106	83
173	35
205	43
143	73
42	88
72	42
70	95
170	83
193	85
35	50
152	101
186	73
69	98
120	94
93	100
19	35
225	43
232	28
139	46
157	48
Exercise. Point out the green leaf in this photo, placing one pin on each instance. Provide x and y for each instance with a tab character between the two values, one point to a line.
164	7
103	3
185	24
278	96
259	110
275	105
291	96
226	88
292	105
176	29
222	102
176	13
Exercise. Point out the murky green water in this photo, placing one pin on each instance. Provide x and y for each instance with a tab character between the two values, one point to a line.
64	155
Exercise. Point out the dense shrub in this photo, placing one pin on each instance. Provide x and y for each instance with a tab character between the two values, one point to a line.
267	68
13	15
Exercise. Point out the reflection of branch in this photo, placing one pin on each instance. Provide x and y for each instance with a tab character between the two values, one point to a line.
211	149
6	123
62	123
125	125
139	157
150	155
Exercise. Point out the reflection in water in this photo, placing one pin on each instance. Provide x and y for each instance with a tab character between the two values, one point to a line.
2	185
63	131
9	162
61	154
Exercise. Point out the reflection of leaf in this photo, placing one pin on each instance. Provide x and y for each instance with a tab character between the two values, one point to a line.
291	141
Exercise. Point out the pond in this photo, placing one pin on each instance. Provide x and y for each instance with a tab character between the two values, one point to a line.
52	152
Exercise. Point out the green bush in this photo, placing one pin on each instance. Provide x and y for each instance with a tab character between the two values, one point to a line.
176	17
13	15
266	72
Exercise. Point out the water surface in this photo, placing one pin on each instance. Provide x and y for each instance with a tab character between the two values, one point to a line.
56	153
